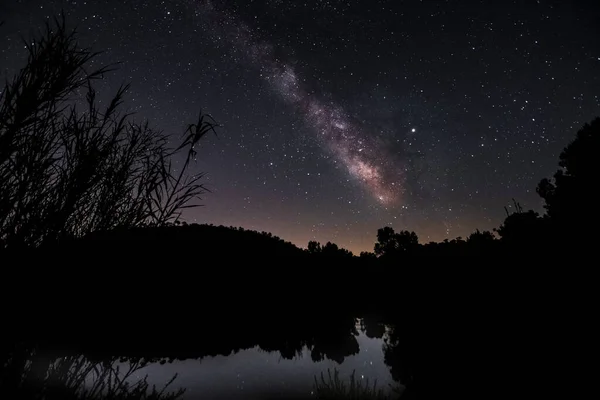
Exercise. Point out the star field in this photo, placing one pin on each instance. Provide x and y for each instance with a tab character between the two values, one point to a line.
341	117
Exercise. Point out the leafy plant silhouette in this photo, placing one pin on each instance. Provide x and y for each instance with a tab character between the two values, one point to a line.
69	167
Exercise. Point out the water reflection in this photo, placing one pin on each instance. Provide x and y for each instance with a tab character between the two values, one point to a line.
271	359
256	373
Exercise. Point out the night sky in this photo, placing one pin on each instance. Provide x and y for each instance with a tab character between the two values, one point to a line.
341	117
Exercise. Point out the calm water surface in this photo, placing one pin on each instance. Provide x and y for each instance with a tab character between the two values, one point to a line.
255	373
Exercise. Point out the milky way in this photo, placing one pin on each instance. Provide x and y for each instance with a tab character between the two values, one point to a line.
365	159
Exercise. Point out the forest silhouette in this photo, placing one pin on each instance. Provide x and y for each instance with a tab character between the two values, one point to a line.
90	209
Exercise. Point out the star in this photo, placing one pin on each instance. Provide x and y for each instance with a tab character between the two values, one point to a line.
309	103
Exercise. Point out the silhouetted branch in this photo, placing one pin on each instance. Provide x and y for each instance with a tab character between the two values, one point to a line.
68	167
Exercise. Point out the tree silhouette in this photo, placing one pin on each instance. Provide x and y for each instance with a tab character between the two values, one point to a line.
69	167
390	243
478	237
570	198
523	230
481	243
314	247
386	241
366	255
328	250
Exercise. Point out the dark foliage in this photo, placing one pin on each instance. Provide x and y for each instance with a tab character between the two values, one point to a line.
392	244
334	388
570	198
330	251
92	197
69	167
28	374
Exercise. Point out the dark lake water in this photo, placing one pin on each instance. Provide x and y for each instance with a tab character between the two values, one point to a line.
254	373
480	346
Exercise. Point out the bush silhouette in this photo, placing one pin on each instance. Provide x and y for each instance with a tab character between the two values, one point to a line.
570	197
69	167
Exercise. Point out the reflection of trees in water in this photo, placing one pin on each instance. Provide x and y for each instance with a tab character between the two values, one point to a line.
333	338
396	350
372	327
334	347
396	355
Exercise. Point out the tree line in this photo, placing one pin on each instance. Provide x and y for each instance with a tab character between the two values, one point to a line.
72	169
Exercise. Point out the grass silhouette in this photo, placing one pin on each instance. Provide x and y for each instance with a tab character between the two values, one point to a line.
331	387
27	375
